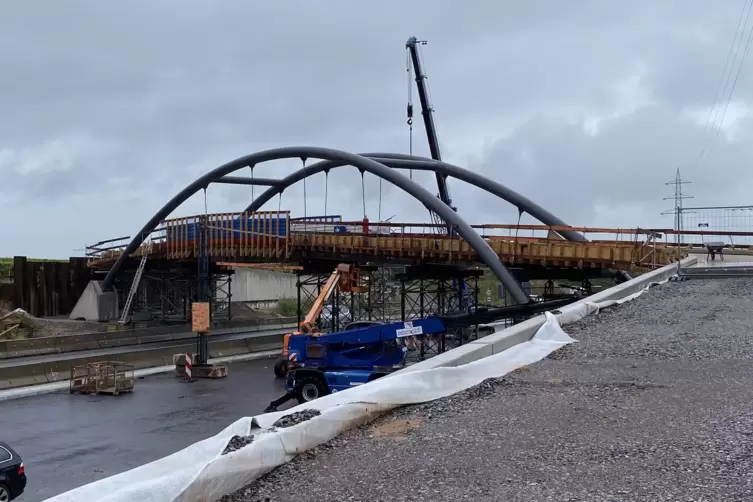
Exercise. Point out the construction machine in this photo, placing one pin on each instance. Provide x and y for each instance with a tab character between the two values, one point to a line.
333	362
345	278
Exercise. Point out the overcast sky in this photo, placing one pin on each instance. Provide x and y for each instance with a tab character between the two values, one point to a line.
107	109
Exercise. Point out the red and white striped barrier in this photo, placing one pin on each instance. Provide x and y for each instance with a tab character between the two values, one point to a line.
188	366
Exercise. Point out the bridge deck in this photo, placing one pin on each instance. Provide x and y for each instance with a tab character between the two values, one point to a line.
273	236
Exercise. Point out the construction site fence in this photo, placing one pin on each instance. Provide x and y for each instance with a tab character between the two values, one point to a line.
730	225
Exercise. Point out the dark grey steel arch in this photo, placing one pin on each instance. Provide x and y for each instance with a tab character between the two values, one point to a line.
487	255
400	161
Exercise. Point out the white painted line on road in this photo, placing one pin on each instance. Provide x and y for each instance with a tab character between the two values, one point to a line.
46	388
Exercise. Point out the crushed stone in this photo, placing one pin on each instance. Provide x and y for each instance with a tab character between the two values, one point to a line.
653	403
237	442
296	418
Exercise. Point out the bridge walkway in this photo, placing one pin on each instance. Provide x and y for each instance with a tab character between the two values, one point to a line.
273	236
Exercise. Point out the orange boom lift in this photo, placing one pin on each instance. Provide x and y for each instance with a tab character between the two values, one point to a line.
346	278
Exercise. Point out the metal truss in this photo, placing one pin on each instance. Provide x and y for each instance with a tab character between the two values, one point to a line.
424	296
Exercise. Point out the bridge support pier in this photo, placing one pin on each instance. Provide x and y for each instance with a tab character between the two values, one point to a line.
96	304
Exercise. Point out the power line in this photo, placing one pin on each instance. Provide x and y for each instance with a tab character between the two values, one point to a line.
734	84
725	80
717	96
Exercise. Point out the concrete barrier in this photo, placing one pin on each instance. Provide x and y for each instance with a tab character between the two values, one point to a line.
524	331
16	376
89	341
54	371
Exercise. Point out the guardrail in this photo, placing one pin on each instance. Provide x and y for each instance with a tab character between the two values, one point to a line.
72	343
21	373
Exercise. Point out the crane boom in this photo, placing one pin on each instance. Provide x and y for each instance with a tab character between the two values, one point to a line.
319	302
427	112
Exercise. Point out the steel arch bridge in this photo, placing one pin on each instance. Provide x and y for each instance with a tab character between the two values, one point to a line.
382	165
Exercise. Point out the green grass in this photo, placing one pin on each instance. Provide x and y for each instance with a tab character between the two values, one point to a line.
6	267
6	264
287	307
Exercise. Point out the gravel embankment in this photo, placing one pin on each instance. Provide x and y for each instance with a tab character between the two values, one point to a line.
653	404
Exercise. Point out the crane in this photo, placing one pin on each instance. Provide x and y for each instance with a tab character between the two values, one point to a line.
414	62
427	112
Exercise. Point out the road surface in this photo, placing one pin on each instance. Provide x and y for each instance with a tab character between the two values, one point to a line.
69	440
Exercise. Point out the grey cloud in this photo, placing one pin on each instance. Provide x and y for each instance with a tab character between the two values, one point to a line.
625	164
166	90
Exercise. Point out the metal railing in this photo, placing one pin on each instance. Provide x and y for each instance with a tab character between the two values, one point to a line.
275	236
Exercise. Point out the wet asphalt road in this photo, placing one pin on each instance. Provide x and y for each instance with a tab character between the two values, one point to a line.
69	440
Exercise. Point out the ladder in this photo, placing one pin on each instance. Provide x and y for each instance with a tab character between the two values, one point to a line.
135	285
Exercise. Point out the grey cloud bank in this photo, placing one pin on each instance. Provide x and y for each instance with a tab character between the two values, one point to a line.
109	110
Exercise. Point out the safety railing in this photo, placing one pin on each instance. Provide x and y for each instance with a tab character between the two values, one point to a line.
263	234
535	244
274	236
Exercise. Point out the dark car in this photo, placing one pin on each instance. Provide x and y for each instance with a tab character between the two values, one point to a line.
12	475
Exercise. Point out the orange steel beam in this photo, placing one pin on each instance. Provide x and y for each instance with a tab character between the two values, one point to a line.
260	266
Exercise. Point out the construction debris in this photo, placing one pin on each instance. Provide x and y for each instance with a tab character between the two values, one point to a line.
18	324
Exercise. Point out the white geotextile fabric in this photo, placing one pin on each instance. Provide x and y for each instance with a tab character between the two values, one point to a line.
200	473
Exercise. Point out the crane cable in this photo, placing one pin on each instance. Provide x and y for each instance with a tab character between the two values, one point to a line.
409	72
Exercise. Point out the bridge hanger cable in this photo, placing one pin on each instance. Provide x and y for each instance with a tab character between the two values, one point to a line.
517	230
252	186
379	212
363	194
305	213
326	189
